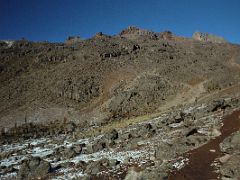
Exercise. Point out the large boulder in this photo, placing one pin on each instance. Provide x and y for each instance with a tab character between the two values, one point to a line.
34	168
231	168
69	153
95	167
231	144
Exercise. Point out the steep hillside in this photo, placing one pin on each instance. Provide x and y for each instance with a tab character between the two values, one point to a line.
133	73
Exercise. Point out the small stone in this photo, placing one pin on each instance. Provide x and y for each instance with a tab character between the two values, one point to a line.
112	162
216	133
126	160
152	158
132	175
212	150
224	158
140	143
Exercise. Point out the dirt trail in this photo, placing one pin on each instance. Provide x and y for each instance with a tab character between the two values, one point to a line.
235	89
200	159
189	95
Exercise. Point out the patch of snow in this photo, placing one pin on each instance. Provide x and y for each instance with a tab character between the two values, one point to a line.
81	141
204	131
11	175
67	144
120	156
188	110
41	152
14	160
35	142
68	173
180	164
9	43
201	107
21	146
13	147
175	125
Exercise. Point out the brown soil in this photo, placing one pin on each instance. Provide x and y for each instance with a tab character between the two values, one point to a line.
200	159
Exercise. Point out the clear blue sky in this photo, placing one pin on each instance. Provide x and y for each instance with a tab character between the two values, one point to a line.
55	20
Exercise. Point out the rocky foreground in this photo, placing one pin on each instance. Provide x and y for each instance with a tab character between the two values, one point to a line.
148	149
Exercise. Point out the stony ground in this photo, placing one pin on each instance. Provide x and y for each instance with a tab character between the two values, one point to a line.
151	149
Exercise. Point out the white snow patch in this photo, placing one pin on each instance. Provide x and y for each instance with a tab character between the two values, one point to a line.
12	147
21	146
180	164
9	43
8	176
67	144
120	156
175	125
81	141
204	131
14	160
35	142
202	106
41	152
188	110
69	173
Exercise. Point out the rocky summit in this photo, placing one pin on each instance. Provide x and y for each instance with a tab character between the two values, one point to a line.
137	105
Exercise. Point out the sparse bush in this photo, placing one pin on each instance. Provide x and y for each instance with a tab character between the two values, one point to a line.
212	86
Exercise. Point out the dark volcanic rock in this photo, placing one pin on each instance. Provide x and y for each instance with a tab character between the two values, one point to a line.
231	169
231	144
34	168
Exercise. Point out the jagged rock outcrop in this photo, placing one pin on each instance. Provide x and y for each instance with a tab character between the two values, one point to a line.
73	39
205	37
166	35
133	32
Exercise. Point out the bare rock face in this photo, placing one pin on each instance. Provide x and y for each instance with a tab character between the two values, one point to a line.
73	39
133	32
205	37
166	35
